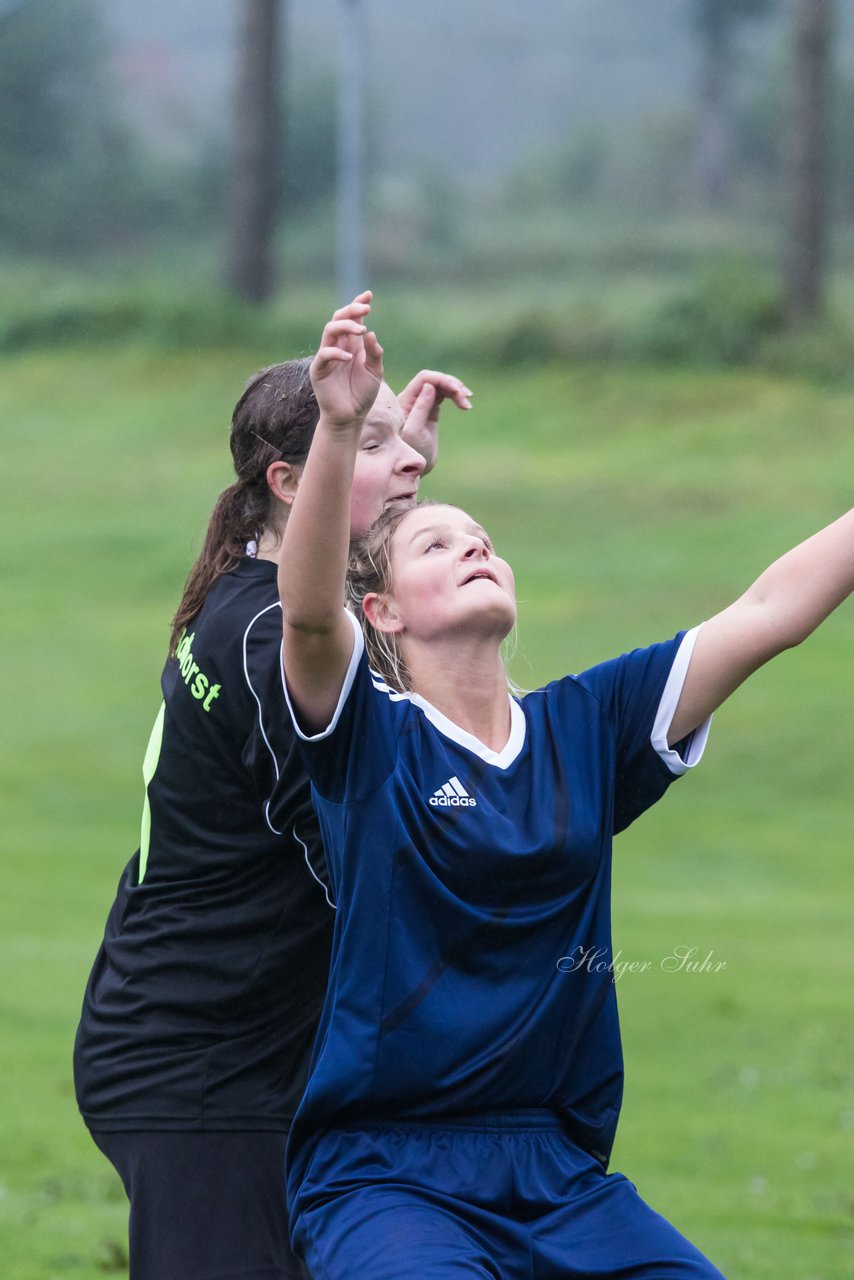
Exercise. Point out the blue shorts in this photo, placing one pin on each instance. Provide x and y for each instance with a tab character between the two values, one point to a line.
503	1196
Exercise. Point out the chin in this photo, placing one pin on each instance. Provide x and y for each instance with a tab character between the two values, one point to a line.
499	620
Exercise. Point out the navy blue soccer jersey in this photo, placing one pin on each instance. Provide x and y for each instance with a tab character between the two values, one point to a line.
462	877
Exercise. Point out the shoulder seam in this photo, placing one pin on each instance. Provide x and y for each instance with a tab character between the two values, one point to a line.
589	692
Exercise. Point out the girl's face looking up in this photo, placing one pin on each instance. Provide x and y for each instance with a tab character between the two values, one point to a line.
387	470
446	578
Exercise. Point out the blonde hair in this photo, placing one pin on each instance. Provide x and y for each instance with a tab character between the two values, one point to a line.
369	572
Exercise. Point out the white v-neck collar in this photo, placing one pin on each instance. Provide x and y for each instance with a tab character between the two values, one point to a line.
498	759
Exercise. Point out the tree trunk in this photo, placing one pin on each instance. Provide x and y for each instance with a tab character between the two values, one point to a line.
714	149
808	159
255	179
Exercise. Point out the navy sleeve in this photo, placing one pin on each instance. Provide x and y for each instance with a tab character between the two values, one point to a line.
638	694
357	750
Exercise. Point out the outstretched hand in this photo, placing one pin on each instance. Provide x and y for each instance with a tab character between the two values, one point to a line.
421	401
347	370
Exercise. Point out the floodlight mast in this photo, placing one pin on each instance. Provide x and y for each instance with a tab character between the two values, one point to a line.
351	64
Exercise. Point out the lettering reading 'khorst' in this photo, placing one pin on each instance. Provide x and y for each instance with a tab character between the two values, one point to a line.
451	795
190	670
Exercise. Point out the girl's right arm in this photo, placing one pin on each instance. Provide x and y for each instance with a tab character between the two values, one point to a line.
785	604
318	636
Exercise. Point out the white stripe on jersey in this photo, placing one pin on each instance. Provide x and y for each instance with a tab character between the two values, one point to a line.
258	615
313	872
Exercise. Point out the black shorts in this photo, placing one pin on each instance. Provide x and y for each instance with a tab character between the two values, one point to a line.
205	1206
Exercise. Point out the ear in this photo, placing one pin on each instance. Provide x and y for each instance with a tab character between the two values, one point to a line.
283	480
381	613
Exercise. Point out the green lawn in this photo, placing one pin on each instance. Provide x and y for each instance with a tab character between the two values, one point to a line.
631	503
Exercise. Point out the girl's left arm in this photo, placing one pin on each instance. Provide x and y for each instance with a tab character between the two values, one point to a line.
784	605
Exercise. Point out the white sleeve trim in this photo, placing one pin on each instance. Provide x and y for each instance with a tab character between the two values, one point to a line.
667	709
349	677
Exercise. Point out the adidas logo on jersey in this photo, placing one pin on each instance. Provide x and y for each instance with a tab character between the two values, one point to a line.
452	795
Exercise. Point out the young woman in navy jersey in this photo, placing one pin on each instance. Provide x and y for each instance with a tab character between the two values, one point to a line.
465	1083
203	1002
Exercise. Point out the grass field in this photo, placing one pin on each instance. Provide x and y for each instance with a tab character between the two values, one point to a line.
631	503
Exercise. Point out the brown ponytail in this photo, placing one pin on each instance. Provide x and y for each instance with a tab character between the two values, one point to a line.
273	421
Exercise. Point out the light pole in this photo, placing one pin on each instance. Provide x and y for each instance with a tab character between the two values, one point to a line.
351	266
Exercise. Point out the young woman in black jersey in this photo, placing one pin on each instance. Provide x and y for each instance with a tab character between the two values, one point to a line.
203	1001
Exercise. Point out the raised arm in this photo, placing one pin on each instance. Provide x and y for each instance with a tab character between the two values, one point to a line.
421	400
318	638
784	605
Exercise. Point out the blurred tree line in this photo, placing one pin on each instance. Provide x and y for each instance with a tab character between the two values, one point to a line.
764	140
79	179
61	143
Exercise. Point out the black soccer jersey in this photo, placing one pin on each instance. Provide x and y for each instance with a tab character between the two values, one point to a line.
203	1002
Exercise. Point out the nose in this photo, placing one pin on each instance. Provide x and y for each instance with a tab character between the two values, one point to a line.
408	459
475	549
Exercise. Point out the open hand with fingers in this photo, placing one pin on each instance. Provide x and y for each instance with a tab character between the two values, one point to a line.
347	370
421	401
